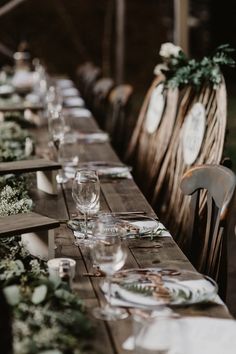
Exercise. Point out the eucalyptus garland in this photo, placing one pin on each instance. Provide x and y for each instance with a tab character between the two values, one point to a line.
15	142
47	317
180	71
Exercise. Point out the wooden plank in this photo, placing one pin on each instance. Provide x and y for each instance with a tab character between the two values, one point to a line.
49	205
124	195
24	223
24	166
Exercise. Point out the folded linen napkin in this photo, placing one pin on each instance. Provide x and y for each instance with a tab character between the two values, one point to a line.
74	102
99	137
64	83
78	112
70	92
200	335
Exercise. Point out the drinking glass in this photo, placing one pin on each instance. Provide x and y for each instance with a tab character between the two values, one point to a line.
67	157
56	127
157	333
109	254
86	193
54	99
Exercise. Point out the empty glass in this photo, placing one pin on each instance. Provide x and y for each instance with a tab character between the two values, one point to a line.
109	254
67	157
86	193
56	127
54	99
157	333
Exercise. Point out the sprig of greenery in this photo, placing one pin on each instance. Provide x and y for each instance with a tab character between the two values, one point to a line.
182	71
47	317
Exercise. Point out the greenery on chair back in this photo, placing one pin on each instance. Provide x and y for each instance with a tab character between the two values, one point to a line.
180	71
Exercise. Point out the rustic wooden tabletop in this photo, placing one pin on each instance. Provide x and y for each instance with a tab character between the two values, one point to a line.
116	195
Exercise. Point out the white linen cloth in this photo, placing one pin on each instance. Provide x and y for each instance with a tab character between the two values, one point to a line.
78	112
74	102
200	335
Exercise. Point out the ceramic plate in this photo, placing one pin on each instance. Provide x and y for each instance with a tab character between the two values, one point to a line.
152	287
107	169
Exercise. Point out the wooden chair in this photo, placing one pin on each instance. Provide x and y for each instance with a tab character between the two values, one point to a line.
101	91
117	120
152	134
186	148
206	227
87	74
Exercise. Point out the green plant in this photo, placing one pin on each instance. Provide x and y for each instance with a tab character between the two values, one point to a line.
180	71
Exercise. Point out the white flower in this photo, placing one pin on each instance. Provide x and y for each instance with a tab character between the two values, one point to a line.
158	69
168	50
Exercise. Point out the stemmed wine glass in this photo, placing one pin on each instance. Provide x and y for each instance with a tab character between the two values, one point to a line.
56	127
86	193
54	100
109	254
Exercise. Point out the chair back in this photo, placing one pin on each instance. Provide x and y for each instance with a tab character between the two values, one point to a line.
117	120
206	226
197	138
152	134
87	74
101	91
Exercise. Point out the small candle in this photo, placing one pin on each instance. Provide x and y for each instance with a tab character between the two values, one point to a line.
54	263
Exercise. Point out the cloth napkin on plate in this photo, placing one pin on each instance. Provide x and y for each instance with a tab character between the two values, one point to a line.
70	92
199	288
199	335
73	102
90	138
78	112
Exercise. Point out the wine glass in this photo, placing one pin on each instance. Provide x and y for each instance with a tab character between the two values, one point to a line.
67	157
109	253
54	99
56	127
158	333
86	193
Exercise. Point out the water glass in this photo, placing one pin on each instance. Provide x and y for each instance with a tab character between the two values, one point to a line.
86	193
56	127
157	333
54	99
110	255
68	157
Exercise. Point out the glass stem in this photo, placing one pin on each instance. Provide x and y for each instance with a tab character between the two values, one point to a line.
108	305
85	224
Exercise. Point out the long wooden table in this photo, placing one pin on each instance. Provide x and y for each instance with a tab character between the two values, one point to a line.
116	195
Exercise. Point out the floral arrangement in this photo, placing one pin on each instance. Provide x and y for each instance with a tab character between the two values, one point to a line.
15	142
47	317
180	71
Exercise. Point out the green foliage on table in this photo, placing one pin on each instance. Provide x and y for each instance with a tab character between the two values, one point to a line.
15	142
181	71
18	117
46	314
47	317
14	198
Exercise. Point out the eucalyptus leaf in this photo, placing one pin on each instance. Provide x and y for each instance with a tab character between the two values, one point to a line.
12	294
53	351
39	294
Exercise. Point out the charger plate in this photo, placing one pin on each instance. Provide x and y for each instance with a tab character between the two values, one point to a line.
155	286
